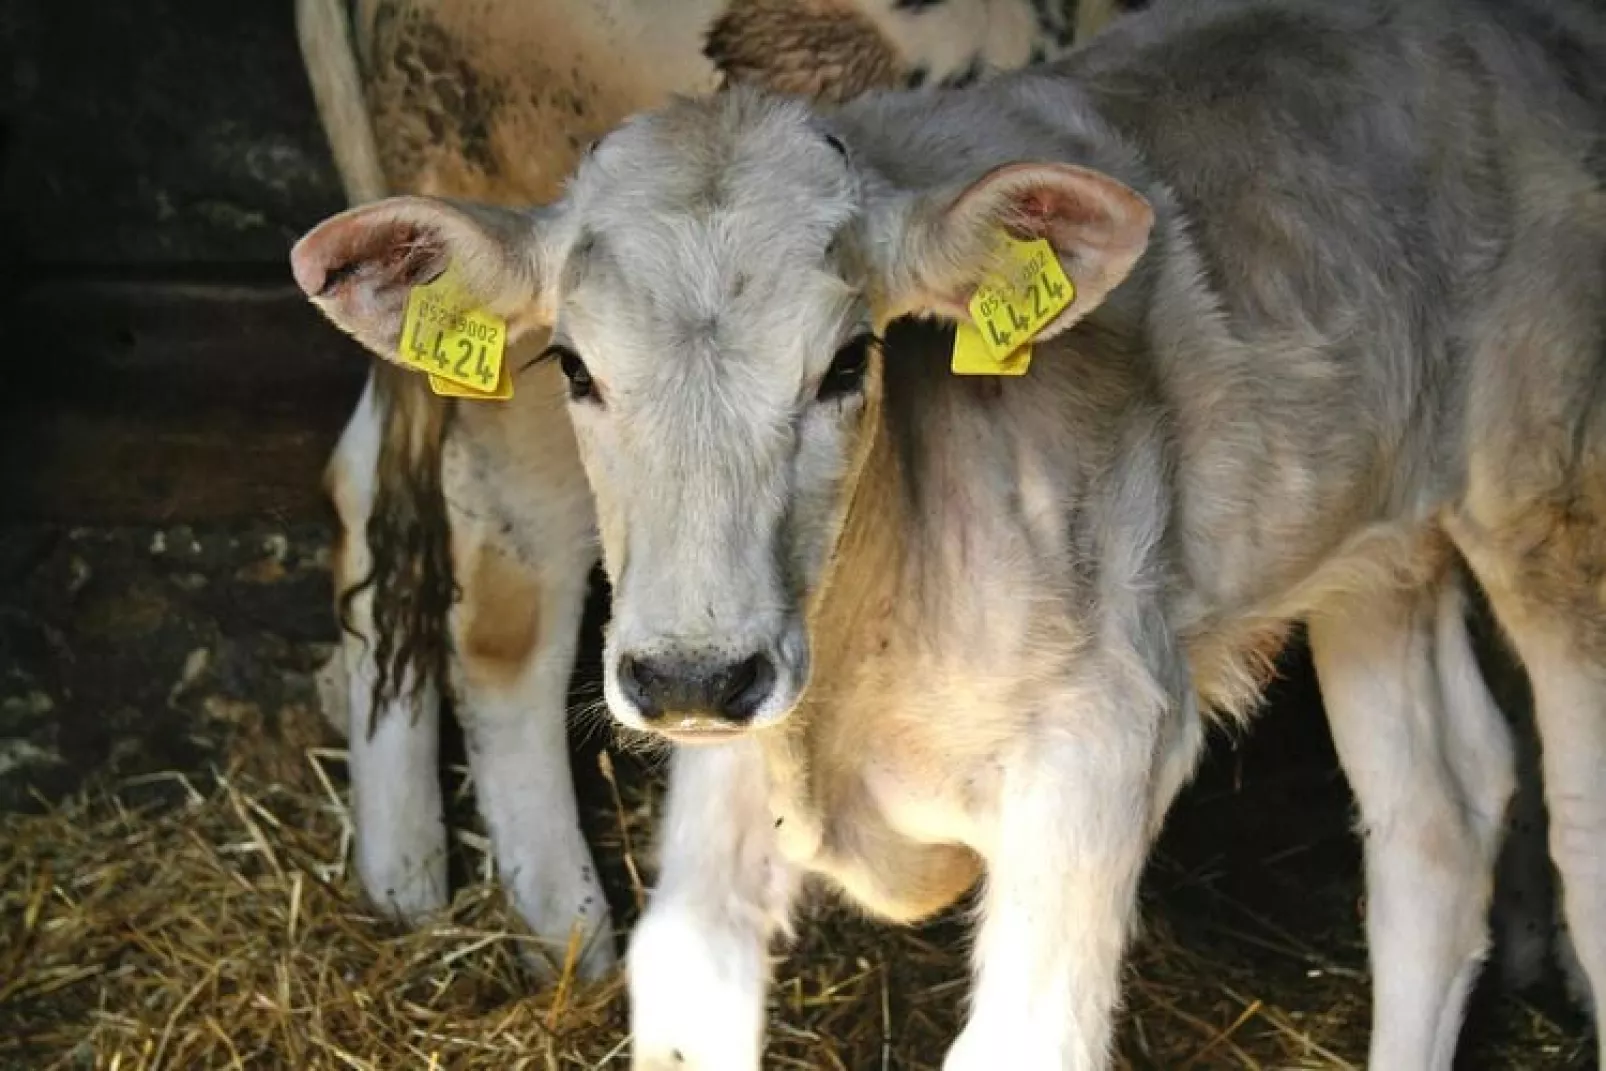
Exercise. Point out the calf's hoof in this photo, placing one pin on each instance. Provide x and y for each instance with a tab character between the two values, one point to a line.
697	993
406	882
557	894
595	960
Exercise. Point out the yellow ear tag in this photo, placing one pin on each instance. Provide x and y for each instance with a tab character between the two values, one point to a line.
1023	293
973	358
447	389
444	334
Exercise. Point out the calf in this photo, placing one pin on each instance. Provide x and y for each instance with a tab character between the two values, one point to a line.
1335	335
466	529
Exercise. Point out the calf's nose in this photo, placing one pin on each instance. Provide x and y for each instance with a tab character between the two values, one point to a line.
730	690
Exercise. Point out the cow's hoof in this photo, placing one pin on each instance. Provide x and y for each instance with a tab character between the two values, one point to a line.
697	992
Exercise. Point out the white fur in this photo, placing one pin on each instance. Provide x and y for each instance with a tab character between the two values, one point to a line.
699	958
1429	759
396	803
519	755
324	35
1061	884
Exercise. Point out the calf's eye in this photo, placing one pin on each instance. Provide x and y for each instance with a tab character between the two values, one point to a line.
574	369
846	374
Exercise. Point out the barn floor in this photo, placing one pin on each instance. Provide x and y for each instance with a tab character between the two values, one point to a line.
174	889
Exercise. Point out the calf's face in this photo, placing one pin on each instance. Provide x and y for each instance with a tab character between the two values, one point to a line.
708	280
719	361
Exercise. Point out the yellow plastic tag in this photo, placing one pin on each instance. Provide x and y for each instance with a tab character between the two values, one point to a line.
445	335
1025	291
973	358
447	389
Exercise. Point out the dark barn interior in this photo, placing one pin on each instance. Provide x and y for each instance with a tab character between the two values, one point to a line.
169	402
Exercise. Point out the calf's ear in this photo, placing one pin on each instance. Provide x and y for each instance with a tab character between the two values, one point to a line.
359	266
936	250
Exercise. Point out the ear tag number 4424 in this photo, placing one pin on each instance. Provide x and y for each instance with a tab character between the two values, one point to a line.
1021	297
460	346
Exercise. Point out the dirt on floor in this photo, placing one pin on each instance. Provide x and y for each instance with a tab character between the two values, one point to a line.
175	888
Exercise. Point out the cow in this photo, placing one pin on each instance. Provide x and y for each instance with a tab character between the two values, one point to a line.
465	529
1331	343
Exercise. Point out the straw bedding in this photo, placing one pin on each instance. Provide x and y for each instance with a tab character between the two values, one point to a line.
181	921
205	915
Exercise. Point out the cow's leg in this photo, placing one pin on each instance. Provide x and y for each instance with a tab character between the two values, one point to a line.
396	807
699	958
1065	841
1545	591
397	812
1429	759
514	637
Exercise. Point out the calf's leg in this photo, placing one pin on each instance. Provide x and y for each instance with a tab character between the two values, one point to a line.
1546	593
396	806
699	958
1429	759
514	637
1072	819
1570	701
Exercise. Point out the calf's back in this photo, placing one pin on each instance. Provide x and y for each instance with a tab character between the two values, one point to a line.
1378	274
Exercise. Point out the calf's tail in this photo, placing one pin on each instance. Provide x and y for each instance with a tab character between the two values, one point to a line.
323	29
407	531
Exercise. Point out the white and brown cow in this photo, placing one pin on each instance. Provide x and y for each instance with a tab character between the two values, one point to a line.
467	532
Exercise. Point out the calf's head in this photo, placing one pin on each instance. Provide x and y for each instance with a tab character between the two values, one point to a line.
712	280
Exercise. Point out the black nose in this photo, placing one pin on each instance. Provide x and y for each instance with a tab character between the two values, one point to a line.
729	690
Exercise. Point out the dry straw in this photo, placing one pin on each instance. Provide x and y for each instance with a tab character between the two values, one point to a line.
187	922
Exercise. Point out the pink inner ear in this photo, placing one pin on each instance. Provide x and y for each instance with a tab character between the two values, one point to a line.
1061	216
375	253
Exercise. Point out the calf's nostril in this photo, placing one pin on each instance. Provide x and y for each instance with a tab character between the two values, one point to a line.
746	686
639	682
728	691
